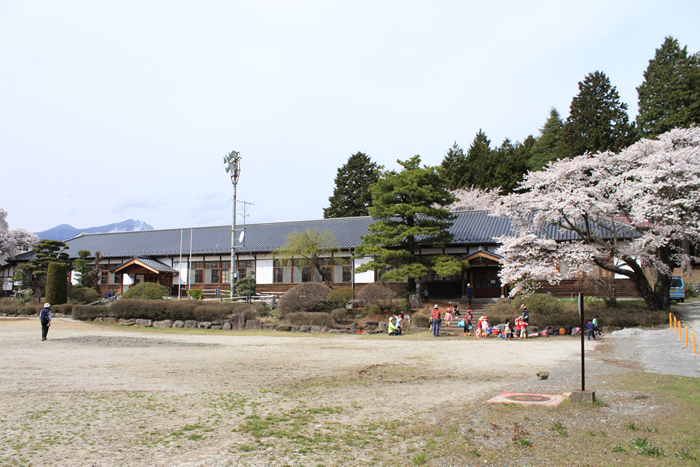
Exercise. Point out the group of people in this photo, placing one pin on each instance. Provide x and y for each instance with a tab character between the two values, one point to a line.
394	326
518	329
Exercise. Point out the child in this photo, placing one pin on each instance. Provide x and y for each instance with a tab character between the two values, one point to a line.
507	331
590	327
484	326
455	311
468	322
448	317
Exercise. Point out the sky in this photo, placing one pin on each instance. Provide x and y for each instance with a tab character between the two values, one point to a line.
125	110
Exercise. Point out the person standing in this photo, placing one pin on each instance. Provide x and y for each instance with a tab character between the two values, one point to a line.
435	320
469	293
468	322
590	327
524	320
595	325
45	318
425	294
448	317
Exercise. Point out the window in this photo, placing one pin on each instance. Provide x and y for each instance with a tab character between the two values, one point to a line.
301	271
245	267
283	271
197	272
226	272
342	270
211	272
104	277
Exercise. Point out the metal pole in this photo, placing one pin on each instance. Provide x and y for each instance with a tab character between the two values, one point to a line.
179	267
233	246
583	365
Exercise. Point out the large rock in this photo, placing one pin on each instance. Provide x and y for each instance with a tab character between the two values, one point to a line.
191	324
370	324
178	324
253	325
126	322
226	326
283	327
96	320
415	301
383	326
237	321
315	329
325	329
354	327
295	328
204	325
305	328
109	320
166	323
146	323
268	326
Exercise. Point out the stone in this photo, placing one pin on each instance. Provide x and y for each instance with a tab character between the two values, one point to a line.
295	328
315	329
354	327
325	329
217	326
166	323
583	396
283	327
204	325
383	326
415	301
305	328
226	326
97	320
109	320
191	324
543	375
268	326
146	323
253	325
178	324
370	324
126	322
237	321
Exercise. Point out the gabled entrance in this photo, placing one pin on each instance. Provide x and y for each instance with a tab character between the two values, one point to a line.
142	269
483	274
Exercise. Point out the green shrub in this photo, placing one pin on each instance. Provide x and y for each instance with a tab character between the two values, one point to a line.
66	308
57	284
196	294
9	308
312	319
377	296
339	298
84	295
339	315
309	296
542	304
146	291
85	313
690	290
420	321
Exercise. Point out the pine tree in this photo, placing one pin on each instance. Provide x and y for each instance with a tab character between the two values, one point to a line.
548	146
509	164
352	195
597	121
669	97
406	220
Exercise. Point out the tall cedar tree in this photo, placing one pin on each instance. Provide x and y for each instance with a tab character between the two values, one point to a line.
478	167
406	220
669	97
597	121
548	146
509	164
453	167
57	283
352	195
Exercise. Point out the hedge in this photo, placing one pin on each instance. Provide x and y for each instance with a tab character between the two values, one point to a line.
158	310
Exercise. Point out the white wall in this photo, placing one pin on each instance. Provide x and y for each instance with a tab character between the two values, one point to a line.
363	277
264	271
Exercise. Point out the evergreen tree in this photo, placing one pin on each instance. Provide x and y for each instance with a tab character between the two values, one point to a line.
597	121
454	167
47	251
352	195
82	269
57	283
509	164
406	220
479	163
669	97
548	147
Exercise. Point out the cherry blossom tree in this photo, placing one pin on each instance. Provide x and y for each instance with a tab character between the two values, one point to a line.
473	199
627	213
13	241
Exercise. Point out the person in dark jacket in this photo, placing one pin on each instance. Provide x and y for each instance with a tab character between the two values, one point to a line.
45	318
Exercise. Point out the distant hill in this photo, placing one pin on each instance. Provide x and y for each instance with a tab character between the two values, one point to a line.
64	231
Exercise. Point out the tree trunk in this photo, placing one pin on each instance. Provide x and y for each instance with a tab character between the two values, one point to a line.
641	283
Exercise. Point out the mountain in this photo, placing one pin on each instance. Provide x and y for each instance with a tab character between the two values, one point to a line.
64	231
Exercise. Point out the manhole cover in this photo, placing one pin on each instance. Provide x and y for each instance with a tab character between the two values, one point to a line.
528	398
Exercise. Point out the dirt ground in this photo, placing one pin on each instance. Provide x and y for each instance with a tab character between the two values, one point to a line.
107	395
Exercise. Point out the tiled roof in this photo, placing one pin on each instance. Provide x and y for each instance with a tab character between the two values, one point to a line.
151	263
469	228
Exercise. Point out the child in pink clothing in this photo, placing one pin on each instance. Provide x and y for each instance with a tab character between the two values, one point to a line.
448	317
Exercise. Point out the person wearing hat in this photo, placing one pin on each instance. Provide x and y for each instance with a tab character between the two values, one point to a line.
524	321
45	318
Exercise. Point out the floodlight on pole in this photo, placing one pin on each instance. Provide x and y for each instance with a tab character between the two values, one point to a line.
232	163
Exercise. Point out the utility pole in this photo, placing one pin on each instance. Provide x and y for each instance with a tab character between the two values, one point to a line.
232	161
